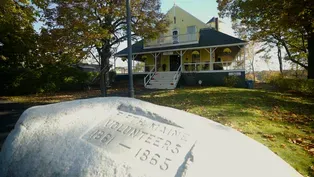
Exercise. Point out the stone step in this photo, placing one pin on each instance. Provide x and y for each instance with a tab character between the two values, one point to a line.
170	87
165	77
161	81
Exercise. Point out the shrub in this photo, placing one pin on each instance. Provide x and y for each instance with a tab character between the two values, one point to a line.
231	81
269	75
21	81
305	86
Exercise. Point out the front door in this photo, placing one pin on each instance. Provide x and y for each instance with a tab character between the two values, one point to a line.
174	62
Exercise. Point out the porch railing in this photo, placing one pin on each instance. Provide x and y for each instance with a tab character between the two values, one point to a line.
149	76
149	67
177	75
136	69
174	39
206	66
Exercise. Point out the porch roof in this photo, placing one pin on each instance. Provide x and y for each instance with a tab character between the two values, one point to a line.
208	38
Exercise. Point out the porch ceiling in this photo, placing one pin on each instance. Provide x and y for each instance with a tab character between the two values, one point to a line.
208	38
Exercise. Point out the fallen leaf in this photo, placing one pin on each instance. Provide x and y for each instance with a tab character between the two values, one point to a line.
283	145
299	140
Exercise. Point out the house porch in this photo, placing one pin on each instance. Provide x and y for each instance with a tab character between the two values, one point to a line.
215	59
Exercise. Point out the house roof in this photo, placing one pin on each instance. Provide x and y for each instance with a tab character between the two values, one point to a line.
208	37
211	20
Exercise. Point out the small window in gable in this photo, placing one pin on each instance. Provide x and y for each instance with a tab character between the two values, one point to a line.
175	20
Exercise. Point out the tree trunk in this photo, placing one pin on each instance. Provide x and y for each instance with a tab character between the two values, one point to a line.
104	54
103	88
253	69
310	70
296	71
279	58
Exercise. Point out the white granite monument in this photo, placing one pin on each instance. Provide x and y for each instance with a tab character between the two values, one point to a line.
123	137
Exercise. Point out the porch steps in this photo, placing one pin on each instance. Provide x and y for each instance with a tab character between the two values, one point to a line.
162	80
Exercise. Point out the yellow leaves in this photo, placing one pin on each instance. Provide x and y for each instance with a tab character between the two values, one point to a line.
269	137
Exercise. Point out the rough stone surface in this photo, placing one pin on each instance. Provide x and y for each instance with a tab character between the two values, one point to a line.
115	137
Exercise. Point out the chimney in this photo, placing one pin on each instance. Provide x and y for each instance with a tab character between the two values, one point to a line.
217	24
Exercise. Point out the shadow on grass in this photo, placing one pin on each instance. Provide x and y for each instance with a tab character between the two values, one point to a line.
226	101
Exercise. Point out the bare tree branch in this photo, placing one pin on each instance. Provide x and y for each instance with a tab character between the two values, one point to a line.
291	58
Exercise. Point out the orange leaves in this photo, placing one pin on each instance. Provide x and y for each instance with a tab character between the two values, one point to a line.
306	142
278	114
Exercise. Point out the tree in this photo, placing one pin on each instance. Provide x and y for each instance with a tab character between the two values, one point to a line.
101	25
290	21
251	47
241	31
17	35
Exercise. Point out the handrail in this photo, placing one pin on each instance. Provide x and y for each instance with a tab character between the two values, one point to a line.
186	34
173	39
150	75
178	72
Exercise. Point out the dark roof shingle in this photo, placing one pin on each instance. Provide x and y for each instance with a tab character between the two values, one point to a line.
211	20
208	37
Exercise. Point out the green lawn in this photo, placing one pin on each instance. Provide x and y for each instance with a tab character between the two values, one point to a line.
281	121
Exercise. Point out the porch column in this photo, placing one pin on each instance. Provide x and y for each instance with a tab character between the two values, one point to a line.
181	53
155	56
211	64
181	58
133	58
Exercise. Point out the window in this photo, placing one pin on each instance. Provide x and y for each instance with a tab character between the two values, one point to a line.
196	57
175	20
175	36
191	31
227	50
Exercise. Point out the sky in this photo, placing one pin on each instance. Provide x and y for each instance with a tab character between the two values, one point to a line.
204	10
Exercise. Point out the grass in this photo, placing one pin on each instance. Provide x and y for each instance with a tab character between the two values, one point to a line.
283	122
35	99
